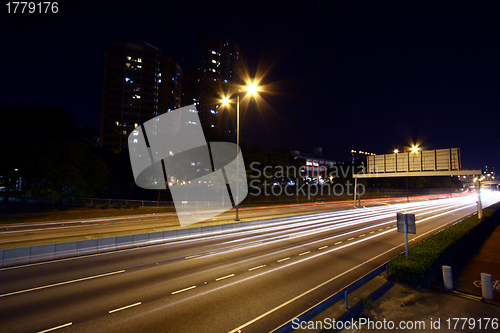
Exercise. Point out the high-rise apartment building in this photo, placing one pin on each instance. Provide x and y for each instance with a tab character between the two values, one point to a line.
139	83
218	74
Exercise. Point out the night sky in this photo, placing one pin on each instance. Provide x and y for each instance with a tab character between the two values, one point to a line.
364	75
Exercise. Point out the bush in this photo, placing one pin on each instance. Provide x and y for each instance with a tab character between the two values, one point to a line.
423	255
128	206
137	205
119	205
105	206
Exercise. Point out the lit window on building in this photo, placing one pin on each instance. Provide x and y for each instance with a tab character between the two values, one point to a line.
124	132
139	60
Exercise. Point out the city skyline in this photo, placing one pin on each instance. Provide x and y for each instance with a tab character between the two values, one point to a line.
370	77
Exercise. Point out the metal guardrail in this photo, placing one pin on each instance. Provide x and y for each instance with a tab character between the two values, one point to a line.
330	301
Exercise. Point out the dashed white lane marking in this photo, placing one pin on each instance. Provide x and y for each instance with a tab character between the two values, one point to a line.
224	277
61	283
56	328
125	307
254	268
185	289
323	247
350	238
196	255
363	235
372	232
304	253
338	243
283	259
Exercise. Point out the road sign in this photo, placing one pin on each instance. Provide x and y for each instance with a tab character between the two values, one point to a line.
410	218
406	224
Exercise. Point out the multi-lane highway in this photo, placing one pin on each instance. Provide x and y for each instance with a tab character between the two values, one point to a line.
39	233
252	280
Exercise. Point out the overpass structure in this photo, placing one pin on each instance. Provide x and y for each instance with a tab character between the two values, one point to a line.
427	163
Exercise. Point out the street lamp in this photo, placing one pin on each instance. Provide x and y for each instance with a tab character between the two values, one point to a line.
252	89
396	151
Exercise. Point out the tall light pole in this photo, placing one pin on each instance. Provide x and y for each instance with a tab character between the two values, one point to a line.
252	89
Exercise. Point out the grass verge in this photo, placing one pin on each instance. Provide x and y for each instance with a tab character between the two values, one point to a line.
426	253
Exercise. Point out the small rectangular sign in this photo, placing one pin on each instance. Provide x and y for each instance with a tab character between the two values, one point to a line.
410	220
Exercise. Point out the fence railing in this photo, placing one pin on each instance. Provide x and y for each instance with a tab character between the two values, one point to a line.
330	301
40	253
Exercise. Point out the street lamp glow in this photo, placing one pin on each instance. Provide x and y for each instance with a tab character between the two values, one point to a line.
225	101
252	88
396	151
414	149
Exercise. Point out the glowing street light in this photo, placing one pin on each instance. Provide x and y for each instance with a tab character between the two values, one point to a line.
252	89
414	149
396	151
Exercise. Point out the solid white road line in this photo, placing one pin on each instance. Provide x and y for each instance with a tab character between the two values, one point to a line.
61	283
125	307
56	328
253	268
283	259
224	277
180	291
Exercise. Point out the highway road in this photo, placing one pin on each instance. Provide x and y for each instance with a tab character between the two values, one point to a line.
40	233
252	280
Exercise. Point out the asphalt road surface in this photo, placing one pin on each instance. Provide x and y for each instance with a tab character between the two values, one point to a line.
252	280
39	233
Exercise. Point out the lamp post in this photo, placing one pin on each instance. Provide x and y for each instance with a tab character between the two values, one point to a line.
252	89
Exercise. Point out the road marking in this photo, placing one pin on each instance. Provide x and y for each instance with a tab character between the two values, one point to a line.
363	235
185	289
388	227
338	243
238	329
125	307
380	229
196	255
303	253
56	328
283	259
224	277
61	283
371	232
251	269
350	238
324	247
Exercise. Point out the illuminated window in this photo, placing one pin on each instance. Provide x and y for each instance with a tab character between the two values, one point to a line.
135	133
135	125
117	123
127	64
139	60
214	61
124	132
129	57
127	79
213	52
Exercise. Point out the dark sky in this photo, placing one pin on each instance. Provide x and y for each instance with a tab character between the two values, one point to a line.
364	75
